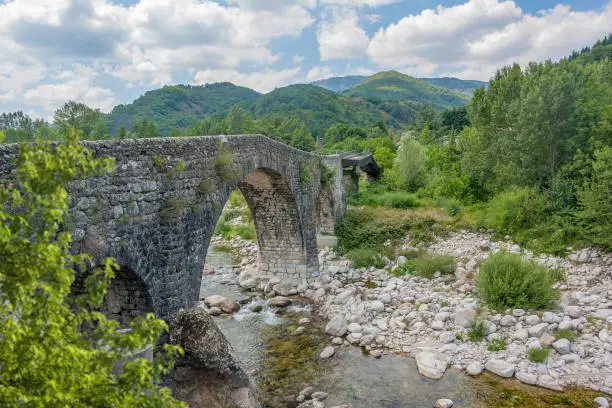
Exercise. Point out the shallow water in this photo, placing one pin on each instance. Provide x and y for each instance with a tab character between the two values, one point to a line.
283	363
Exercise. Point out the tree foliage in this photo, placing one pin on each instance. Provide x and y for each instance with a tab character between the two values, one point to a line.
56	350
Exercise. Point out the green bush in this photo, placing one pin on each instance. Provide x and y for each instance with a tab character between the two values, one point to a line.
451	206
364	257
374	194
426	265
508	281
514	210
246	231
538	355
373	227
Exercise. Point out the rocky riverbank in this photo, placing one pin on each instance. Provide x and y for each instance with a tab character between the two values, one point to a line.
430	318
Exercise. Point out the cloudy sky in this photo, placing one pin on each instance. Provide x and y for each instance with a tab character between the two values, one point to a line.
105	52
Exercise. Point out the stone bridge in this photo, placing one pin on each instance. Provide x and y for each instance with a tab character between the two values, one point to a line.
156	212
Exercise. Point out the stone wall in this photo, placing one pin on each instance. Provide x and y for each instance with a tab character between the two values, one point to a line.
156	212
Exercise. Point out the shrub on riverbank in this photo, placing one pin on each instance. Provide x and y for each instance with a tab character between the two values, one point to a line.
426	265
368	230
508	281
374	194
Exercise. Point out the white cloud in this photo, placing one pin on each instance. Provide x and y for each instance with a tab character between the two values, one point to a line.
372	18
77	86
317	73
298	59
342	37
144	44
473	39
262	81
361	3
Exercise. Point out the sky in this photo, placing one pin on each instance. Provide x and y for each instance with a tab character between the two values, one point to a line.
107	52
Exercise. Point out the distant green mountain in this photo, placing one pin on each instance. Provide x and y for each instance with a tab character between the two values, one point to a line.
395	86
319	108
456	84
178	106
339	84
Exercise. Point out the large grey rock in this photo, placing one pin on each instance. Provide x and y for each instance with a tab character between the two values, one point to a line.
279	301
537	330
214	300
474	368
208	374
431	365
336	326
500	367
562	346
601	402
464	317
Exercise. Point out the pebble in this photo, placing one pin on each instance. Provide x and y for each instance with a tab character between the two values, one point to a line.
443	403
279	301
474	368
327	352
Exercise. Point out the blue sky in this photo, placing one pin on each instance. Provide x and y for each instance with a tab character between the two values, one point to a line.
106	52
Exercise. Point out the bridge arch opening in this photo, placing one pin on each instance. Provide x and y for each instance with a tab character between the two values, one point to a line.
127	297
262	208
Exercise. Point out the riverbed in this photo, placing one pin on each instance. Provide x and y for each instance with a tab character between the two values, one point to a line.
283	362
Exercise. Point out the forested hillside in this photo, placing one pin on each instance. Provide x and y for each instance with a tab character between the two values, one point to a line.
456	84
395	86
178	106
339	84
318	108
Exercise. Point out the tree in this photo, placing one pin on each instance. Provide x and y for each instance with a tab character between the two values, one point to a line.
144	129
410	165
238	121
56	350
122	133
426	137
79	116
595	199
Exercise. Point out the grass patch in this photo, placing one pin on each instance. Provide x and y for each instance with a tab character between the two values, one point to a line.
476	331
174	207
305	173
426	265
364	257
497	344
327	176
205	186
370	285
224	163
538	355
378	195
507	281
179	168
160	162
569	334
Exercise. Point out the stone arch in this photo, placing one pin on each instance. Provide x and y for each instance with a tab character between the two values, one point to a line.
277	223
127	297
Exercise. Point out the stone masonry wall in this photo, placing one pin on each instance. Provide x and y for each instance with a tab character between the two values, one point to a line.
156	212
